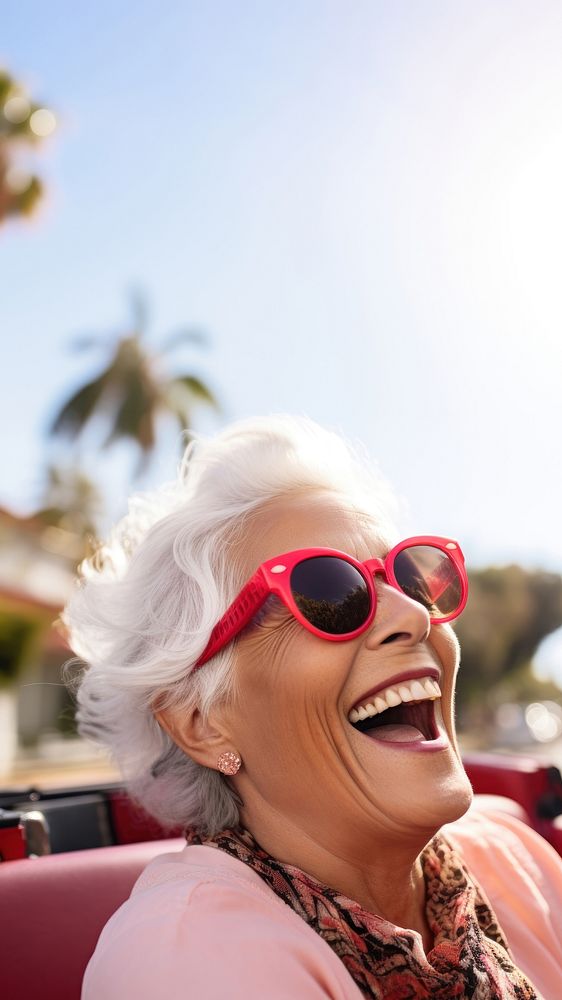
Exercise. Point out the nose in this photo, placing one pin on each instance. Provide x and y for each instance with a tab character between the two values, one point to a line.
398	618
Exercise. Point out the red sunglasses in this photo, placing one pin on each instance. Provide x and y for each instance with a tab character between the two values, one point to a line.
333	595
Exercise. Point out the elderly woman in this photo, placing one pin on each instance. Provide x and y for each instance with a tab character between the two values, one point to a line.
273	672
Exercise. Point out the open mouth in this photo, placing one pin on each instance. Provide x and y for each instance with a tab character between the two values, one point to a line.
401	713
401	724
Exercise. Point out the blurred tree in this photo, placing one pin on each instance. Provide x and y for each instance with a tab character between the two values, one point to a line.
133	391
23	123
20	636
509	612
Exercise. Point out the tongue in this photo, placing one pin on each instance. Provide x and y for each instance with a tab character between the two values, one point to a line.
394	733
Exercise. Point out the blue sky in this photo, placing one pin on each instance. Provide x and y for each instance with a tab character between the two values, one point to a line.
361	203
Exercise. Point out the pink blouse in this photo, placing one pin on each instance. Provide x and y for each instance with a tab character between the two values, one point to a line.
201	925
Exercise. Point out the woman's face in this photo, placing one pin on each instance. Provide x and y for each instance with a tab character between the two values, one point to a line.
302	757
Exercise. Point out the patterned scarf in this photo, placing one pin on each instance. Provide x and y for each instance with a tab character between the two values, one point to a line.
470	958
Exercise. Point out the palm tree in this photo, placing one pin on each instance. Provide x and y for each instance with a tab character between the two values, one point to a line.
23	123
133	392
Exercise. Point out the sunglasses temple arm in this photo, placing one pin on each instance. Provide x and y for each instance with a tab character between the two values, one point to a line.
240	612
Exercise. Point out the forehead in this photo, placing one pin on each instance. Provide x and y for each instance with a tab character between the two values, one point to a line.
308	520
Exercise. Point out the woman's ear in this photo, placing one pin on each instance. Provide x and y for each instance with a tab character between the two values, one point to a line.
202	739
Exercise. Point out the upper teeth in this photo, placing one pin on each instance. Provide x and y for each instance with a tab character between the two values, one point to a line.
417	690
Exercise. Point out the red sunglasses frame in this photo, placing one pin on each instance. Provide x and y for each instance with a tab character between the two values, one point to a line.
274	576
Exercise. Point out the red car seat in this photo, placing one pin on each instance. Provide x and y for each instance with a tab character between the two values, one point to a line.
52	912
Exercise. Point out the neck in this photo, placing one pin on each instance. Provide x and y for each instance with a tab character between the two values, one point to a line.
386	880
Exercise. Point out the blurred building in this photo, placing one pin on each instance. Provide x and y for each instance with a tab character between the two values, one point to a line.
37	573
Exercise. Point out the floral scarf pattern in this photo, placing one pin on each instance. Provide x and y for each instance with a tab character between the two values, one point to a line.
470	958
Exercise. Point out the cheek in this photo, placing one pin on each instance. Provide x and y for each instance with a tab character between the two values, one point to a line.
288	689
446	646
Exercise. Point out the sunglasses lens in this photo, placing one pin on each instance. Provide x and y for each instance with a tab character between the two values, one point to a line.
331	594
429	576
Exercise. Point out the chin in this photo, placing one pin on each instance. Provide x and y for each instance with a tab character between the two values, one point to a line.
450	799
454	798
